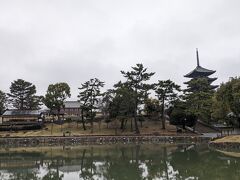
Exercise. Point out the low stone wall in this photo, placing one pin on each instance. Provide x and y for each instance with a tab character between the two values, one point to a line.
51	141
225	146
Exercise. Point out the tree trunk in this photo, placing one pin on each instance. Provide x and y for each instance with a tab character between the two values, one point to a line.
165	161
92	121
163	117
194	126
125	124
122	124
83	123
137	154
239	122
131	125
82	160
91	126
115	124
99	124
51	128
135	114
136	124
58	114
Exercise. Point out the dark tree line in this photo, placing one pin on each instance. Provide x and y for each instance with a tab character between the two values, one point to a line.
132	99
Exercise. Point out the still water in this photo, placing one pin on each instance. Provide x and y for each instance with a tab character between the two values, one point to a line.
119	162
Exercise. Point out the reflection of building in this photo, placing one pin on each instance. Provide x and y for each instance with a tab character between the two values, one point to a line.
70	168
200	72
72	108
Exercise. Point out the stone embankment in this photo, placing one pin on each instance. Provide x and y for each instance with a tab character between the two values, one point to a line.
78	140
226	146
228	143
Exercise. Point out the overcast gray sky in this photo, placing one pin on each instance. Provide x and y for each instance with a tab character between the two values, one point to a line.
49	41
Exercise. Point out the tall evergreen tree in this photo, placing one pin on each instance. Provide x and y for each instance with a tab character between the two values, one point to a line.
221	107
56	95
167	92
3	101
89	97
136	80
23	95
122	104
227	100
199	98
234	97
106	101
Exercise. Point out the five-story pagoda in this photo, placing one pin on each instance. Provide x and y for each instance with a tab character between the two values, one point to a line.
200	72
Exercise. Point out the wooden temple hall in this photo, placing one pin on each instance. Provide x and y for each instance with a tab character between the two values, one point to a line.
200	72
21	120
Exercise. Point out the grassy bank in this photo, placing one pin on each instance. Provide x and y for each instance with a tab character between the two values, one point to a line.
228	139
152	128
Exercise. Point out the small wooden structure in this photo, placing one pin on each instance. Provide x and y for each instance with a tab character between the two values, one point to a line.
224	129
21	119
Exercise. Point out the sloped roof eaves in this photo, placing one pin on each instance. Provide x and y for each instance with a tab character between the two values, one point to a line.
72	104
31	113
210	80
198	71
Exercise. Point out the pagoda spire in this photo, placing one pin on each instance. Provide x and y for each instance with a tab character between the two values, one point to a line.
198	64
200	72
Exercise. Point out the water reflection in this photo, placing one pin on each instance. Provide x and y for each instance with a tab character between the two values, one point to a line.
117	162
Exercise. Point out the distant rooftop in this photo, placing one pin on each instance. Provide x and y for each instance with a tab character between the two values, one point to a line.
72	104
16	112
199	72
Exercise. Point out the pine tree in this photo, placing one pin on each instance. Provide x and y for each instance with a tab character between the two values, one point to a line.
23	95
199	98
167	92
89	97
136	79
56	96
3	101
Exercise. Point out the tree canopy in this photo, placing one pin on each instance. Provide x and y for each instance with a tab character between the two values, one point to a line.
56	95
3	101
136	80
166	92
89	98
199	99
227	101
23	95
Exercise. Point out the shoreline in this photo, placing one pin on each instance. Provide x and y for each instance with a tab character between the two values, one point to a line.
225	146
228	143
99	140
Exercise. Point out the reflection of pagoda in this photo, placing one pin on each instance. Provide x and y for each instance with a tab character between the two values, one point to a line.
200	72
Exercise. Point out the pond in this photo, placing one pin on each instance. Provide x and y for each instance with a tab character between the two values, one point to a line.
119	162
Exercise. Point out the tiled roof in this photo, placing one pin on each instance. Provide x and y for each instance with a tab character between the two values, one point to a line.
21	113
72	104
199	71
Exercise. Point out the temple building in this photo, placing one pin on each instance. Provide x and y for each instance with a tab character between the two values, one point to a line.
200	72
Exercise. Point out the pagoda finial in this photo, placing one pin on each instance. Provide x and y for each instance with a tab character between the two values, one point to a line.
197	57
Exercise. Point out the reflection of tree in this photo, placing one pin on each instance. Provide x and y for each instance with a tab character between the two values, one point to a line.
53	175
127	164
88	168
208	165
24	175
122	162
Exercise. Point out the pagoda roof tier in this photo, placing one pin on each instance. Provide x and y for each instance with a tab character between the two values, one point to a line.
212	87
210	80
199	72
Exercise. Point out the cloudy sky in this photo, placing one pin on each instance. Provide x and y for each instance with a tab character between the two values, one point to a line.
49	41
